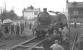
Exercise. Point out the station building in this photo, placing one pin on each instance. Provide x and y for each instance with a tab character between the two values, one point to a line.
30	12
75	11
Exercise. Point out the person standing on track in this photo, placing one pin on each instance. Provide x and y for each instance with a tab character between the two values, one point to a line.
79	43
56	46
47	43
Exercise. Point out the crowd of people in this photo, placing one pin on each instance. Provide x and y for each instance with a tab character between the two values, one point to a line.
59	38
12	29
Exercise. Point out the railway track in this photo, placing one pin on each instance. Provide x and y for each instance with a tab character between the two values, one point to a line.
27	45
19	44
5	44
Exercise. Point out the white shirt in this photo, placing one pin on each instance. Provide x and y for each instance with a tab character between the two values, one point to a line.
57	47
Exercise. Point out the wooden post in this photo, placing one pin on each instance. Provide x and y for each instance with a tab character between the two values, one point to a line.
10	32
20	29
15	30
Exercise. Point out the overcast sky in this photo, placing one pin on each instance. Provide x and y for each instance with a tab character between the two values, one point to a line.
18	5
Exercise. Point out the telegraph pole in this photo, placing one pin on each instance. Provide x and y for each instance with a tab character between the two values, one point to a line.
2	15
4	12
5	6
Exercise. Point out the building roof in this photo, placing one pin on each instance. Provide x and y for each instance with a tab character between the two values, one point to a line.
7	21
31	9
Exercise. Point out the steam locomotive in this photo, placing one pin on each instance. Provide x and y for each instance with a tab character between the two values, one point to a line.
43	21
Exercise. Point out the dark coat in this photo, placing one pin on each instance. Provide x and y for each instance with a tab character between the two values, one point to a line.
80	45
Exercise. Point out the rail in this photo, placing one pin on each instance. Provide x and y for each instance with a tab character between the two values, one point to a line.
20	44
27	45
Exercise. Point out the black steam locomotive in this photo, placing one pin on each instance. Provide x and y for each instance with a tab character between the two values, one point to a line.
44	21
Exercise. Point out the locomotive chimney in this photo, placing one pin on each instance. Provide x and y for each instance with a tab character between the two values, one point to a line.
45	9
67	1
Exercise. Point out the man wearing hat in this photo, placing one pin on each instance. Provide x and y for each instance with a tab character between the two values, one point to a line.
56	46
